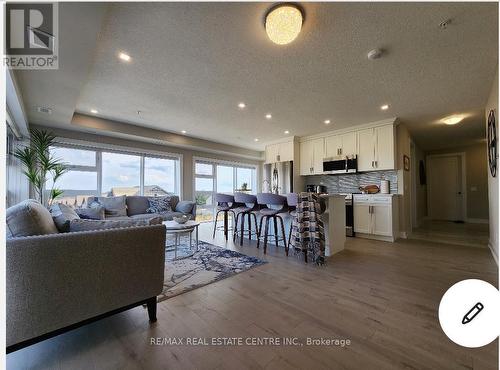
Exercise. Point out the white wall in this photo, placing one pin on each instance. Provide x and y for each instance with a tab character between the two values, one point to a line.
493	181
17	185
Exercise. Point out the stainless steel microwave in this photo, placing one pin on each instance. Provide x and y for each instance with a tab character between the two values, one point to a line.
340	165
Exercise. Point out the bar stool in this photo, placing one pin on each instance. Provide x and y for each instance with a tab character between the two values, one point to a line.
274	205
247	205
292	200
225	203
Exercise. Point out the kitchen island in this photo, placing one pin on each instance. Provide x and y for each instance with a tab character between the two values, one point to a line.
334	223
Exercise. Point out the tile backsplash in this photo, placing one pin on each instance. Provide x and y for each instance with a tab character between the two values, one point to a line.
350	183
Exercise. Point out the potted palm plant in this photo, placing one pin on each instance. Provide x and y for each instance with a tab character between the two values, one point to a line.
40	164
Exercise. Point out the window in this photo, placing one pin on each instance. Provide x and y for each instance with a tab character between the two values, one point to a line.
111	173
80	181
121	174
213	177
159	176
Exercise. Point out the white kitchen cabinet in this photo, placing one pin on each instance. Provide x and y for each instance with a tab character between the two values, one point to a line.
376	149
318	155
340	145
362	218
375	216
385	158
333	144
366	150
312	153
279	152
382	219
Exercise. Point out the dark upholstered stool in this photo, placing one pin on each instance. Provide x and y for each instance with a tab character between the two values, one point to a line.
225	203
292	199
274	205
246	207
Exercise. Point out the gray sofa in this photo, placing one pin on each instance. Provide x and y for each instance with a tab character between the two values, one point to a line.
137	208
58	281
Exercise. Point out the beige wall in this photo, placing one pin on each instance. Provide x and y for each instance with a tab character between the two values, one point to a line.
493	181
476	178
404	178
187	154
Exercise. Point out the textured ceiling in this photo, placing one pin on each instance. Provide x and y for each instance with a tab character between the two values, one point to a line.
193	62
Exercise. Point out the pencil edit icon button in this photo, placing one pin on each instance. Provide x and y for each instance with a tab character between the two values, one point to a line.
469	316
468	313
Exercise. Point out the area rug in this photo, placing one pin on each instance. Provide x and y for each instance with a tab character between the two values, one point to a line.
208	265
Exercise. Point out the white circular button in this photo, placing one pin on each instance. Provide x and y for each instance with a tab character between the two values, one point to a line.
469	313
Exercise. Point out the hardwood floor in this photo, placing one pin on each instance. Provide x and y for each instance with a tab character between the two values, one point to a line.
383	297
465	234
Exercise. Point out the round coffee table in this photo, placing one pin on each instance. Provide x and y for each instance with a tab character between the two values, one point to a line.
177	230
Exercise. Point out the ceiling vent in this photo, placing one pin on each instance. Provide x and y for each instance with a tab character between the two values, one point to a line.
44	110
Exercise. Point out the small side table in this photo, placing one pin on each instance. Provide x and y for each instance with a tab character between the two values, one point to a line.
177	229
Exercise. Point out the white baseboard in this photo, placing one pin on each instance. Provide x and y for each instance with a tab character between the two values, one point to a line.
495	256
477	220
403	235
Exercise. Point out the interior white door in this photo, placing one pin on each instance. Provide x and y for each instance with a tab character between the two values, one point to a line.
362	218
384	148
306	157
318	155
348	144
332	146
444	188
365	150
382	219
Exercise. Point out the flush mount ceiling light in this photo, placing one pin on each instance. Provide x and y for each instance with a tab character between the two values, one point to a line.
327	121
241	105
269	116
124	57
94	111
384	107
255	139
184	131
283	23
287	132
453	120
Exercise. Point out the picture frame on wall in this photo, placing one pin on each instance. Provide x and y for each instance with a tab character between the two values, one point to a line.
406	163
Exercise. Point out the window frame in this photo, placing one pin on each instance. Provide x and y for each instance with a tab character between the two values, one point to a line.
109	148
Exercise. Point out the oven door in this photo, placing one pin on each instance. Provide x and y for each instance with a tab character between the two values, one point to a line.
334	166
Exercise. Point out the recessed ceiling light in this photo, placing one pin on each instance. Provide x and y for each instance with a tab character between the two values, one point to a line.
283	23
241	105
287	132
124	56
94	111
184	131
269	116
384	107
327	121
453	120
256	139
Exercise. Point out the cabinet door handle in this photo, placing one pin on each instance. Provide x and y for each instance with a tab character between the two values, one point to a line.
340	150
376	164
372	164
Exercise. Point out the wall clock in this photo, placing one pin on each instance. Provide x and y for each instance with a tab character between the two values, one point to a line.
492	143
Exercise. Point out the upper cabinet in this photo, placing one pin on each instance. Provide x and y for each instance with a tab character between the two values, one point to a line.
280	152
341	145
312	153
376	148
374	144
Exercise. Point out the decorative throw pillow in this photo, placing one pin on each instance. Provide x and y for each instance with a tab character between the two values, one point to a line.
28	218
93	213
113	206
89	225
159	204
62	214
